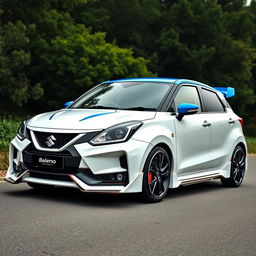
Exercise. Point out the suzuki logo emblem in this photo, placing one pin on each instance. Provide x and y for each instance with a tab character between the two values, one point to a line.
50	141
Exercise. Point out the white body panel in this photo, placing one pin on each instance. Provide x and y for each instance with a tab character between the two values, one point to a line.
197	153
72	119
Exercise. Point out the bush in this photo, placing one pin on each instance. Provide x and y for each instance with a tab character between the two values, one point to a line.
251	144
3	161
8	130
250	129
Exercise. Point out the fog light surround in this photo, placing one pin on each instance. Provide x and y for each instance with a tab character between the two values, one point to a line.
119	176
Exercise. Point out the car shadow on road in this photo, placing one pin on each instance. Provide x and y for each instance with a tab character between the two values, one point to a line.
74	196
193	189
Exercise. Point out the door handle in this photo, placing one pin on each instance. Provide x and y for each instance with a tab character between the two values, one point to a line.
206	124
231	121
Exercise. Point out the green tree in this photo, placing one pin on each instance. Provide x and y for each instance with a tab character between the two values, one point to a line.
44	47
15	86
70	59
210	41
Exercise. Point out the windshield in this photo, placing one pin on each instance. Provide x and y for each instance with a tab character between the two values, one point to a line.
124	95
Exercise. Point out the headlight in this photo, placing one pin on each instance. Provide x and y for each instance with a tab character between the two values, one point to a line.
117	133
22	131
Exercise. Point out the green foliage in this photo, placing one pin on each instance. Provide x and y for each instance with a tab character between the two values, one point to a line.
250	127
251	144
75	60
59	57
14	61
210	41
8	130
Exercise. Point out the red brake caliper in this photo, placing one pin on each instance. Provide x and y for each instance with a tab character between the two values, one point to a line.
150	177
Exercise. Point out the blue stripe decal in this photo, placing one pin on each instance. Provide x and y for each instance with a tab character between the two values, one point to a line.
52	116
88	117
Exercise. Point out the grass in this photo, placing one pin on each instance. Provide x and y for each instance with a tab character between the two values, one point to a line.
8	130
251	144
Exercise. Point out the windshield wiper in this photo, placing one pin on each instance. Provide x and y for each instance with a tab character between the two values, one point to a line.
100	107
139	108
132	108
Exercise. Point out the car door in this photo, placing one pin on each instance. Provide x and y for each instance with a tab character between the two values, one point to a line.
222	123
193	134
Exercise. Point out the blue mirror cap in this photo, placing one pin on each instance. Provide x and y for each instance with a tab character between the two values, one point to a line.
186	108
68	103
228	92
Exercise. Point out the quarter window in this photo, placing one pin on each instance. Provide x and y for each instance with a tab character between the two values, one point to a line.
212	102
187	94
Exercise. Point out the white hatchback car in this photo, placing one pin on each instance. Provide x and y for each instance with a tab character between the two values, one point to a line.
133	135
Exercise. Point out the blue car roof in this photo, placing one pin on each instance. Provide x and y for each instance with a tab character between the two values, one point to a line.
155	79
144	79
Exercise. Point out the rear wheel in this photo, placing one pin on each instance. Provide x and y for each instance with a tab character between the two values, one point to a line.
156	177
237	168
39	186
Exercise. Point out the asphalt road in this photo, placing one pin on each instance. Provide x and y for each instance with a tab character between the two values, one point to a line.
204	219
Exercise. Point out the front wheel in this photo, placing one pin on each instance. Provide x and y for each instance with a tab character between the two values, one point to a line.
156	178
237	170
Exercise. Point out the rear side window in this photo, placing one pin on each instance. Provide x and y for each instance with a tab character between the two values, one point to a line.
187	94
212	102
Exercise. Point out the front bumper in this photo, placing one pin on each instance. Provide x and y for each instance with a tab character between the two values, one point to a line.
87	167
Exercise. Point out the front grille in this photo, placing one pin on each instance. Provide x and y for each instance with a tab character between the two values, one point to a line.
71	160
59	139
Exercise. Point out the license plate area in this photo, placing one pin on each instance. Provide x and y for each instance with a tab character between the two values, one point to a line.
48	162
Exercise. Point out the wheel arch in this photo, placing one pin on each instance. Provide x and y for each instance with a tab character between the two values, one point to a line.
169	144
168	150
241	144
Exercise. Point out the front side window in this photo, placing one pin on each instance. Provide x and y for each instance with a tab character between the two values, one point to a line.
186	94
124	95
212	102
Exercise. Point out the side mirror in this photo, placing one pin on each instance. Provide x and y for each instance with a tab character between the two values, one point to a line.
186	109
68	103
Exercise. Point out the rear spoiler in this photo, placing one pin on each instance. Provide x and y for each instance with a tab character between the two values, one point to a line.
228	92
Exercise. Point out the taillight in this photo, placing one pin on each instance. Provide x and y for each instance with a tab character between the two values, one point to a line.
241	120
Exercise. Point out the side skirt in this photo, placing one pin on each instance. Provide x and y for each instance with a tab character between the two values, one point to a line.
199	179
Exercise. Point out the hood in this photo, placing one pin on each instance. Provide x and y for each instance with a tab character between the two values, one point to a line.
86	119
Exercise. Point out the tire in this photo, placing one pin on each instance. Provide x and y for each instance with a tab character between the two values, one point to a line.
237	169
39	186
156	178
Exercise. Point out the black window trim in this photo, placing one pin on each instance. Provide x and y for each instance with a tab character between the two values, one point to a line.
174	93
204	104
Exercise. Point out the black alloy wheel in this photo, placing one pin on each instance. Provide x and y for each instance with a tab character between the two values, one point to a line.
237	170
156	177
